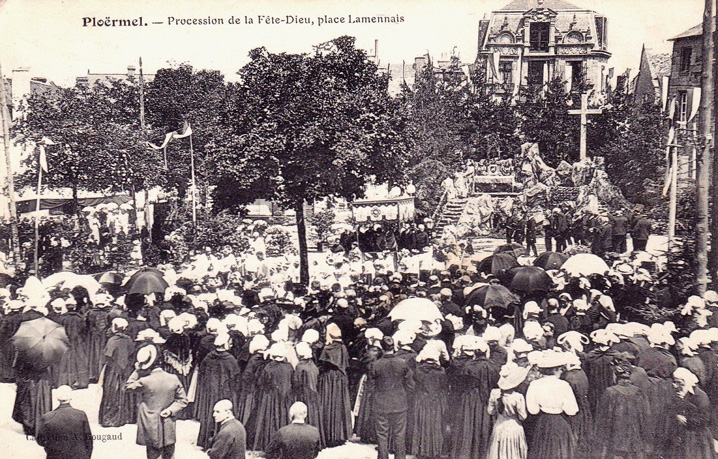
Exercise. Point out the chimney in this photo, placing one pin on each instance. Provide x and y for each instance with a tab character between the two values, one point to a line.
20	88
131	70
419	64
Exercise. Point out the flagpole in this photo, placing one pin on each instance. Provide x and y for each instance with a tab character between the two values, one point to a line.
194	185
142	99
37	218
5	114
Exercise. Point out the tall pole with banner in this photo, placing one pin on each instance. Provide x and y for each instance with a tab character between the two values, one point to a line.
41	167
705	159
8	170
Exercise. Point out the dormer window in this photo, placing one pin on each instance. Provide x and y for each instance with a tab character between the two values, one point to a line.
539	36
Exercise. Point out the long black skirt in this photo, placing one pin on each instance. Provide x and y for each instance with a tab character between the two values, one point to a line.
552	438
114	409
335	417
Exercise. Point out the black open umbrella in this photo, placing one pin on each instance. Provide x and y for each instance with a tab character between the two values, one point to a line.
514	248
146	282
492	296
40	343
528	280
550	260
497	263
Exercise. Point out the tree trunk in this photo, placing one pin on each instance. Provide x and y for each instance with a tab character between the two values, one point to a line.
705	159
713	261
302	235
75	201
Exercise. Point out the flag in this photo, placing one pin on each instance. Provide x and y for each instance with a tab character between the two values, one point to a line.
696	103
168	138
186	131
43	159
495	57
664	93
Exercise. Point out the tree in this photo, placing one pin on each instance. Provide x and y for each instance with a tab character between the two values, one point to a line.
180	94
92	139
453	117
435	108
304	127
635	156
545	120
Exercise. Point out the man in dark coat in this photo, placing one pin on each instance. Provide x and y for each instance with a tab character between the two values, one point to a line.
559	228
640	233
296	440
391	382
162	397
65	432
218	379
619	227
560	323
230	442
531	235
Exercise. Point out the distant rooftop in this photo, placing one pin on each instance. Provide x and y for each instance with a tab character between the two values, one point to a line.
525	5
694	31
659	59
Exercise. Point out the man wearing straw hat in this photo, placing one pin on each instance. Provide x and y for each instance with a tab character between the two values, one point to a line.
162	397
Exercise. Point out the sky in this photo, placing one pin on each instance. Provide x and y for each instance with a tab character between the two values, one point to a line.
48	36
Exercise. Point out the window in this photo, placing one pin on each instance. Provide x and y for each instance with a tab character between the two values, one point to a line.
535	74
686	54
601	31
506	70
538	36
576	73
682	106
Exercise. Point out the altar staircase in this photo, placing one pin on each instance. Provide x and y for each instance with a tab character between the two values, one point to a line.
451	213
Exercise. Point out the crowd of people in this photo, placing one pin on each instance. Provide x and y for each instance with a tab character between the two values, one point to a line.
388	237
404	358
563	227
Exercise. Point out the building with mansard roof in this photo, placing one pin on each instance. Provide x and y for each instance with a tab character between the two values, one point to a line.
651	83
527	43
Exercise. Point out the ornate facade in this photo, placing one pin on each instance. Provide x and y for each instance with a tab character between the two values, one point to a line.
529	42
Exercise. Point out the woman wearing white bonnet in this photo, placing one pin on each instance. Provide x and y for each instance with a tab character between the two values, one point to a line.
573	341
492	336
582	422
533	333
177	356
249	390
275	397
304	382
115	407
598	365
657	360
508	332
689	358
473	423
519	351
373	337
689	419
430	404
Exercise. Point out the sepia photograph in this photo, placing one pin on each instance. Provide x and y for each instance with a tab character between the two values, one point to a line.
424	229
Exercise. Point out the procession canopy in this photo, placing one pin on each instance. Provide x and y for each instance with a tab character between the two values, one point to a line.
382	204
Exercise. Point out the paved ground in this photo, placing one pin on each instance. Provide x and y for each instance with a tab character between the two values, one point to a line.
14	444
